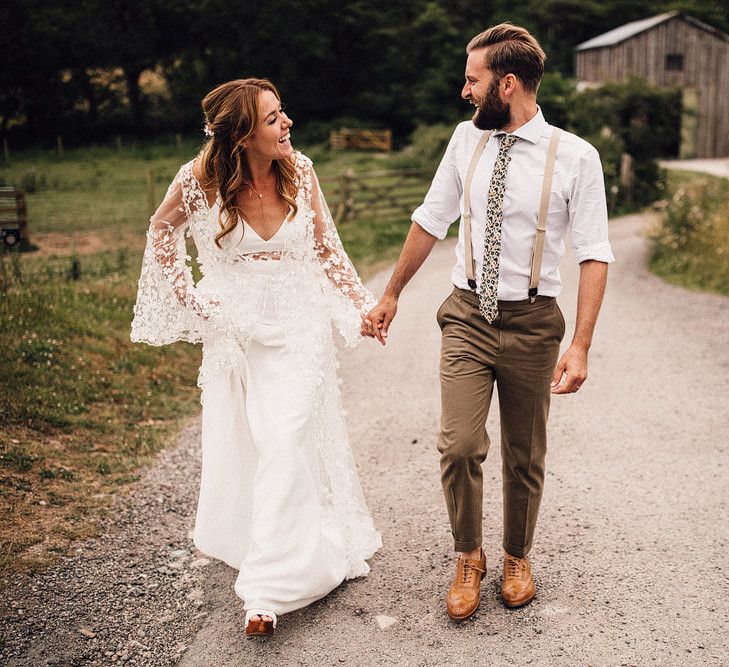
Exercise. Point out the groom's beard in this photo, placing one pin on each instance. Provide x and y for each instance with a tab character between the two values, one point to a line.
492	113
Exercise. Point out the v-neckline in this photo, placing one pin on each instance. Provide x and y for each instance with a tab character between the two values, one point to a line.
216	202
270	238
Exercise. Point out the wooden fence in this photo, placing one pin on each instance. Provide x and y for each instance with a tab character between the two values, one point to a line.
383	195
13	217
347	138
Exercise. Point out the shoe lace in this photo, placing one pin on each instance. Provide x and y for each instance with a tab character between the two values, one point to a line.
514	567
468	570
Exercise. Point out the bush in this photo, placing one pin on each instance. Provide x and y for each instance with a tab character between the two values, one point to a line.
555	98
691	247
610	149
634	118
647	119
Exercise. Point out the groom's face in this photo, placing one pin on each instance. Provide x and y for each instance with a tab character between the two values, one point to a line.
482	90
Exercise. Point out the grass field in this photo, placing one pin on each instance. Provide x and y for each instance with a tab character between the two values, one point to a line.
691	248
99	198
82	408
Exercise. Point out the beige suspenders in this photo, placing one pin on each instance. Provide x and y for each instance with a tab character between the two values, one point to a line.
538	249
470	270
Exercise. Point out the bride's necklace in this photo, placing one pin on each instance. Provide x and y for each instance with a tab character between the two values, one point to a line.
251	191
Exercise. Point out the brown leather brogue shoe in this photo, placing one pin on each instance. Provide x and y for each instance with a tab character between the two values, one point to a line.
517	586
464	595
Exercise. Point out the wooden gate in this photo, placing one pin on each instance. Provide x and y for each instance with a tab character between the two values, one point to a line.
384	195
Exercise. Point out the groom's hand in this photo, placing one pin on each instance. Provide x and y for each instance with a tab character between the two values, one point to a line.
571	371
377	321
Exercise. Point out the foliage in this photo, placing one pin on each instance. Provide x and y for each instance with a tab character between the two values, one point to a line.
559	25
555	96
428	143
632	118
397	65
647	119
691	247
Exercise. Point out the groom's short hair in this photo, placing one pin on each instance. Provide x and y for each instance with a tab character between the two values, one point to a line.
512	50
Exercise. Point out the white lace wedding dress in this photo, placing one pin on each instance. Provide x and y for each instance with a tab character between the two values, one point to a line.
280	499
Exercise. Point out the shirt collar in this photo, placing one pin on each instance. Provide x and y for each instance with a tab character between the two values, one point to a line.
531	130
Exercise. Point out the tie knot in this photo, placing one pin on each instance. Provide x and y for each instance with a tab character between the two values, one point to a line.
507	141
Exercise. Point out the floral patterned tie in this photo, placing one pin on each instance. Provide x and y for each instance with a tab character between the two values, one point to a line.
492	236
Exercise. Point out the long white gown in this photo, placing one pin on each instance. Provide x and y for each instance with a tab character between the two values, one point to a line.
280	499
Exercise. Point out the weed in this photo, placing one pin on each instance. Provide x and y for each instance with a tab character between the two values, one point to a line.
17	460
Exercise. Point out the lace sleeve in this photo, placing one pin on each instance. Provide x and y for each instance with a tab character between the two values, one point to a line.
352	299
168	308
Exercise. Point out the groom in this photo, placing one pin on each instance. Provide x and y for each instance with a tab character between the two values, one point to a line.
518	185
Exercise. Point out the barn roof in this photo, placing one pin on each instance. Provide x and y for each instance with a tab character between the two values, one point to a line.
617	35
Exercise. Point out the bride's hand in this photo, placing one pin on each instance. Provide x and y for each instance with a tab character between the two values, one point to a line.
377	322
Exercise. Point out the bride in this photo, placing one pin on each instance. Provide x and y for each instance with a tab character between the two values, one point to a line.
279	495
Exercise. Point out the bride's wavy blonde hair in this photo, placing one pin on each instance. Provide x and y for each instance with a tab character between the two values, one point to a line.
231	114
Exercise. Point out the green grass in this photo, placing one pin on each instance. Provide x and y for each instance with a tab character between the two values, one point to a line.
94	189
691	248
82	407
105	189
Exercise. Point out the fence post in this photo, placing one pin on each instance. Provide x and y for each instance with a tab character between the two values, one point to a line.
6	149
344	214
151	199
178	140
627	176
75	271
59	144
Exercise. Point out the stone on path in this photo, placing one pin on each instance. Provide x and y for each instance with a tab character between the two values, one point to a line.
385	622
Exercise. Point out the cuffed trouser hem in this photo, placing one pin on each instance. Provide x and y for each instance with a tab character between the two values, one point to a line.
467	546
517	552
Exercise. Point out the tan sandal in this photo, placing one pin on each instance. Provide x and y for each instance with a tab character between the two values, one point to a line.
261	627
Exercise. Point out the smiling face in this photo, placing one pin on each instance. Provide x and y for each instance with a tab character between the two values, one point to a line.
271	138
483	91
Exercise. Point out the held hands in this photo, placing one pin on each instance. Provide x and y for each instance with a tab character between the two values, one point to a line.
376	323
571	371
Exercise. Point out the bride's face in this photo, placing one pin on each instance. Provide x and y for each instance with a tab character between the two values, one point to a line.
271	138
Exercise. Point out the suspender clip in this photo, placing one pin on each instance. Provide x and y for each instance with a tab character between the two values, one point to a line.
533	294
472	283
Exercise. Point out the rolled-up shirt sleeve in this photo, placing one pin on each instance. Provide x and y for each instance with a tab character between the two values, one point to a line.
588	210
442	205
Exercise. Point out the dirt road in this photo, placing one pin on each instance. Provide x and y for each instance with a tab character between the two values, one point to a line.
631	555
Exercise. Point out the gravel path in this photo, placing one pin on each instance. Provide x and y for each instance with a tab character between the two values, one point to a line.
631	551
714	166
134	595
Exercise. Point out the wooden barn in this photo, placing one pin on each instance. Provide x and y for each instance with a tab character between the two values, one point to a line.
670	50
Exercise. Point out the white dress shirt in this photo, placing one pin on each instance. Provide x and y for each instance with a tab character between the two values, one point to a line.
576	202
